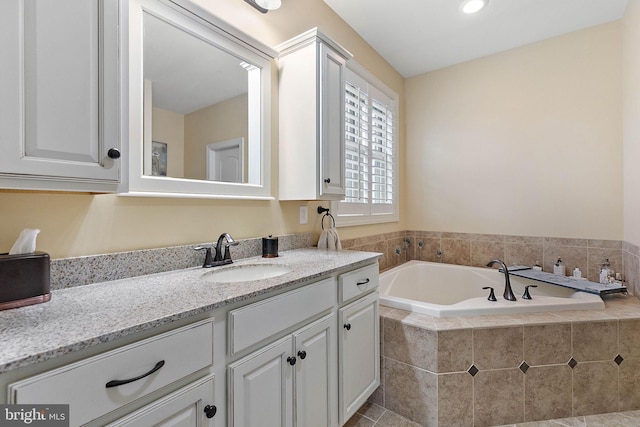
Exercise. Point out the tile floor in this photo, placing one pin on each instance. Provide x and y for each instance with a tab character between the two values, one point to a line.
372	415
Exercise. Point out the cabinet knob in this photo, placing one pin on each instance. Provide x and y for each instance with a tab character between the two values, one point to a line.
113	153
328	180
347	326
210	411
302	354
291	360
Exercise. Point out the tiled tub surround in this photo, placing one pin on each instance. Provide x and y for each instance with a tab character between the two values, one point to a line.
78	271
505	369
478	249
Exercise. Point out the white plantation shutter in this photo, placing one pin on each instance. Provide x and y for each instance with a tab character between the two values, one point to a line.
370	154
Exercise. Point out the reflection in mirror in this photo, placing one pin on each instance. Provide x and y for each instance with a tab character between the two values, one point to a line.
201	106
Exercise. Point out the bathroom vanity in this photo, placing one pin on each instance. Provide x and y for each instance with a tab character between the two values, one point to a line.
301	348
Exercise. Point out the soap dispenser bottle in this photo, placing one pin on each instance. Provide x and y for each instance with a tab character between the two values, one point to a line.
558	267
605	272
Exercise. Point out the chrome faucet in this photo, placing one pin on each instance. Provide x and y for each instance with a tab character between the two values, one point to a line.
508	293
219	259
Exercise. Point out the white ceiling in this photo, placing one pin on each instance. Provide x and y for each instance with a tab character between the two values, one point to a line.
417	36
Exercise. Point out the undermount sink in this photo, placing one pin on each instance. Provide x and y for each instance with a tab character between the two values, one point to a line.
246	273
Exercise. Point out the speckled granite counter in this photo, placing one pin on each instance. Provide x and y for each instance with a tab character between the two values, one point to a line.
85	316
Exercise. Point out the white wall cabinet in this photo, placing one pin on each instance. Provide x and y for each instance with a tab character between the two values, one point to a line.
59	95
312	78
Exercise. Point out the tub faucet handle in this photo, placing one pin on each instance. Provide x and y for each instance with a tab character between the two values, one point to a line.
492	295
526	294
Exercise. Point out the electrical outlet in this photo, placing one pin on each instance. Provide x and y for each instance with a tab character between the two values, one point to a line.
304	215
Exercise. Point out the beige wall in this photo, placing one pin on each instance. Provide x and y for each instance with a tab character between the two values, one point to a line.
631	122
525	142
217	123
81	224
168	127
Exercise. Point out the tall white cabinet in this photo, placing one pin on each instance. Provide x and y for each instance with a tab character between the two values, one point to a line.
311	88
59	94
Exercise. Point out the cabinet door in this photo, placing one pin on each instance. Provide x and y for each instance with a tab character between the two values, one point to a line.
315	386
359	358
332	122
191	406
59	92
261	388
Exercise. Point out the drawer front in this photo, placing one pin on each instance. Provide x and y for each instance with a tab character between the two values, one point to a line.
83	385
256	322
358	282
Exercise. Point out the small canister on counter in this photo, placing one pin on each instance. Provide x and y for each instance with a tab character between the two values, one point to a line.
269	247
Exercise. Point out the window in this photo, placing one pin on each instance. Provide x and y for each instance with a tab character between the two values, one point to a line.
370	151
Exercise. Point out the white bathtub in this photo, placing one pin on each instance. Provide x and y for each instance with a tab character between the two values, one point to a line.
445	290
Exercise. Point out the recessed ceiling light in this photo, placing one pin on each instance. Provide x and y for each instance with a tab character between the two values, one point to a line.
473	6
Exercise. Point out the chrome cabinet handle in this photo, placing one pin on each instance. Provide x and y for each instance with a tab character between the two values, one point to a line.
116	383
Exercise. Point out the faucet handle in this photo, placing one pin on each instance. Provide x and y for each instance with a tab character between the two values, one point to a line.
526	294
492	295
208	259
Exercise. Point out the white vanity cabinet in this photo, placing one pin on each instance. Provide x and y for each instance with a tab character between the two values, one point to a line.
107	383
59	95
292	381
312	113
359	342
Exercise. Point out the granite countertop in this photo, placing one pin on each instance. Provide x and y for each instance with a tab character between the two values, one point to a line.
85	316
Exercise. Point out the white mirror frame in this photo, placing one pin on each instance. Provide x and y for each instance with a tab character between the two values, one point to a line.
204	24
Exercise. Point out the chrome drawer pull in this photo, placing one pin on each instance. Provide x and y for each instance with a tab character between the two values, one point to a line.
116	383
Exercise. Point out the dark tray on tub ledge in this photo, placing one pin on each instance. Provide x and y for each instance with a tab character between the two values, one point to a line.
567	281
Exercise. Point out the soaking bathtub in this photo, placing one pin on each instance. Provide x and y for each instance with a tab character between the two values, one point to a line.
445	290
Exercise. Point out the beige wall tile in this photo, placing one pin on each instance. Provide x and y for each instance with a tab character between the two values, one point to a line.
595	388
595	340
629	339
456	251
523	253
632	272
455	399
547	344
571	256
429	250
498	397
496	348
411	392
629	371
597	256
455	350
409	344
484	251
547	392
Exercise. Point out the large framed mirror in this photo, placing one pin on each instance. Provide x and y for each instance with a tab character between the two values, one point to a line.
199	105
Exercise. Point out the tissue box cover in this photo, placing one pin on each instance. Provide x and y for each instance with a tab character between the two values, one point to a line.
24	279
